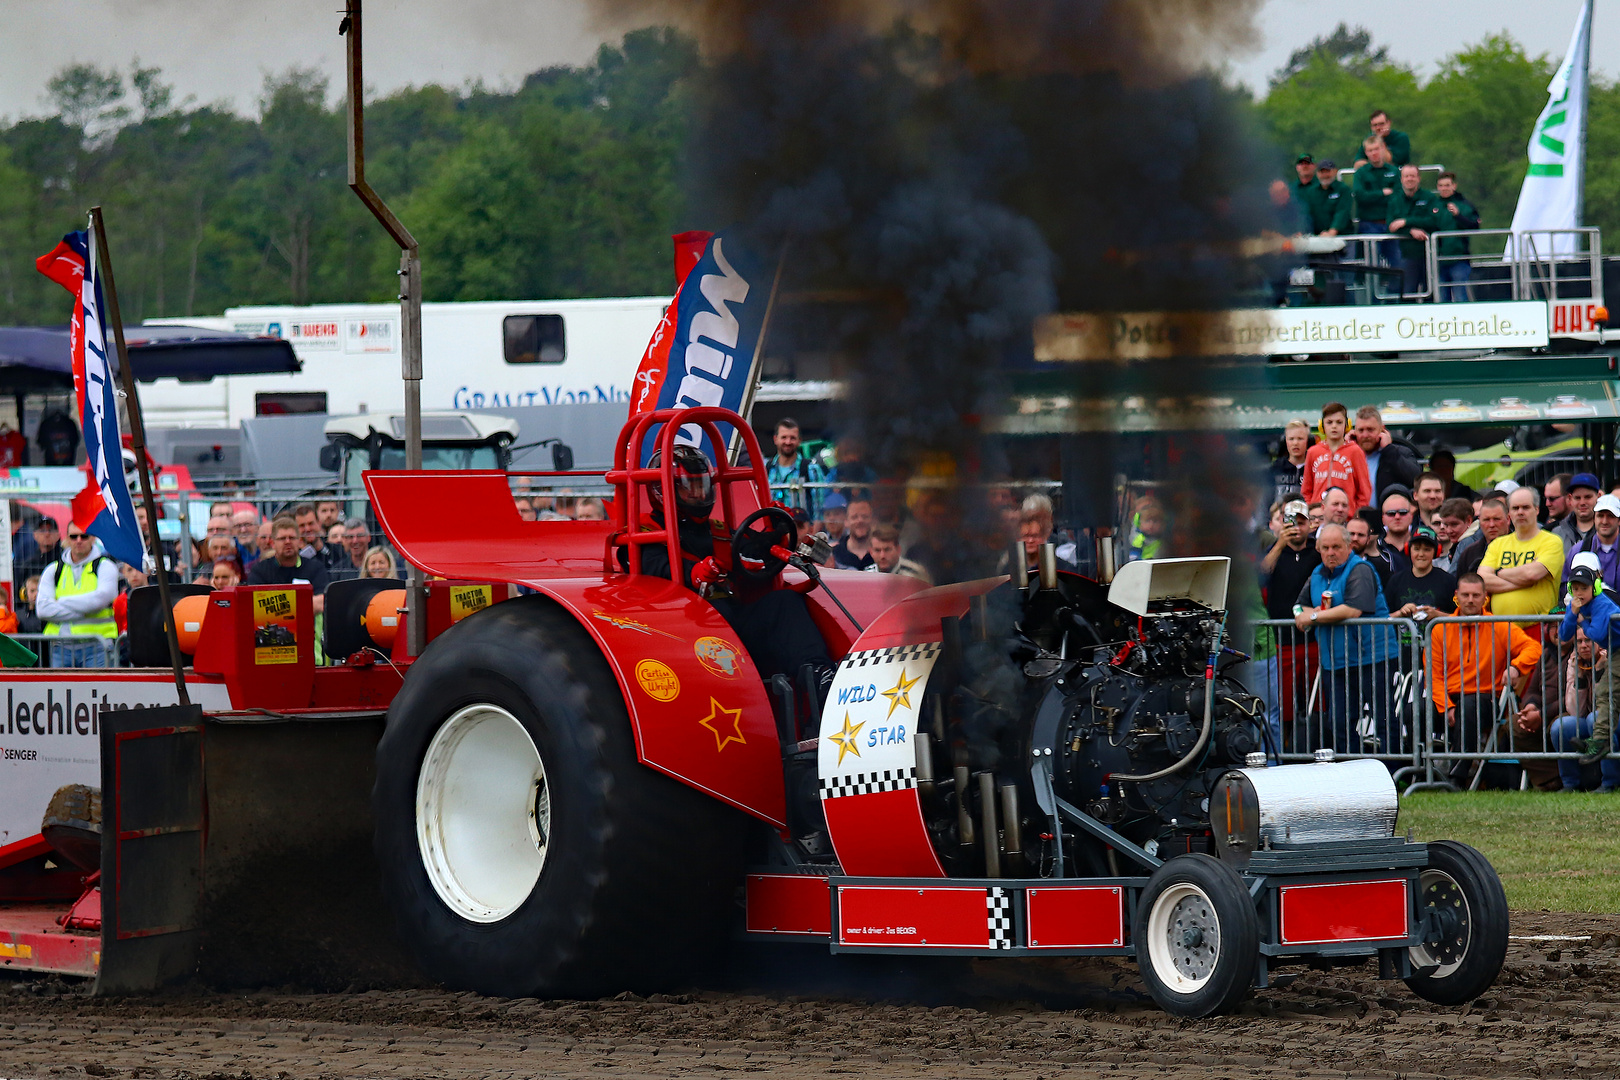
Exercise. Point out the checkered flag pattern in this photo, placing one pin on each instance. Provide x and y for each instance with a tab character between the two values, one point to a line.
898	654
838	787
999	911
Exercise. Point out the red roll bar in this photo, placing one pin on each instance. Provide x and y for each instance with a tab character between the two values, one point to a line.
629	482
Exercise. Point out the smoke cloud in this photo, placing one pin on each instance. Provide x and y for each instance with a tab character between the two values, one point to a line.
935	174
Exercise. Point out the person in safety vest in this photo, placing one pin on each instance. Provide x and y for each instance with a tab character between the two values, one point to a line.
76	594
774	624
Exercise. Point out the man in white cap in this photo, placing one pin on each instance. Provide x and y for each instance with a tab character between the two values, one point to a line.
1603	542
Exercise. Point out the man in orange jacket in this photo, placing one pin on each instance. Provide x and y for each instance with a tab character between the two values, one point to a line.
1469	662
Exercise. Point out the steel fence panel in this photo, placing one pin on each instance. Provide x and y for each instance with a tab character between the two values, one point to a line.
41	643
1365	710
1491	702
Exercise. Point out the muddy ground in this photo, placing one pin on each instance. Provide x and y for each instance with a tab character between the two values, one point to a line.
1552	1013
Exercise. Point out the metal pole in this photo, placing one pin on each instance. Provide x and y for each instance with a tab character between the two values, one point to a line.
747	410
137	438
410	305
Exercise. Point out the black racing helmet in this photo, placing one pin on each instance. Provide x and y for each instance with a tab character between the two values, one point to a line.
694	482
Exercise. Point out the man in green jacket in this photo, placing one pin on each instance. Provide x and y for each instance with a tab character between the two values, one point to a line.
1372	185
1455	269
1304	187
1413	214
1397	143
1330	210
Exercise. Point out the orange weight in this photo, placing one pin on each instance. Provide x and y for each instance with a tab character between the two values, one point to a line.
383	616
188	620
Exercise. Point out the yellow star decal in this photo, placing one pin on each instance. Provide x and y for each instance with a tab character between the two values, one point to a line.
846	739
718	720
900	694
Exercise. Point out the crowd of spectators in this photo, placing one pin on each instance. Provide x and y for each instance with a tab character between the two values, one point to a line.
1361	527
73	590
1385	197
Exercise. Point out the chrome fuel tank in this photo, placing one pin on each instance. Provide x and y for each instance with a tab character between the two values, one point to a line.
1288	805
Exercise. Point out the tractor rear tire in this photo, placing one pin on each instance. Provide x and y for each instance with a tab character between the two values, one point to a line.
1461	887
1197	937
524	849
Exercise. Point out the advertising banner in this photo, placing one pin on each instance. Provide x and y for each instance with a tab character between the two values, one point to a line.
1515	324
50	735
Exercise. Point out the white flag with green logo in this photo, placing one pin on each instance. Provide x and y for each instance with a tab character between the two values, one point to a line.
1551	196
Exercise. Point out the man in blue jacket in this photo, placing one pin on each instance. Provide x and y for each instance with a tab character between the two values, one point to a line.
1358	662
1593	612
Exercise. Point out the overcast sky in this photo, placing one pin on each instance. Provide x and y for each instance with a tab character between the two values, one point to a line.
220	49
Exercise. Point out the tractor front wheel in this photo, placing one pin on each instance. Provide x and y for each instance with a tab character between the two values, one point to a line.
1461	899
1197	936
524	849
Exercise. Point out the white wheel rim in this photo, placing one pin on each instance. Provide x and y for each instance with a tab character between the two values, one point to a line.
1183	938
483	813
1438	888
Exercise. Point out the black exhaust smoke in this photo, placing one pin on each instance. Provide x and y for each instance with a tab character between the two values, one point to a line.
935	174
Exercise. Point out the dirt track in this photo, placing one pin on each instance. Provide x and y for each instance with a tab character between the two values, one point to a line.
1551	1014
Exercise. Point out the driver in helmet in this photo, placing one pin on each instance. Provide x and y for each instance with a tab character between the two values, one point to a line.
773	624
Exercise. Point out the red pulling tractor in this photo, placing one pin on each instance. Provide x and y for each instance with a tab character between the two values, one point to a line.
572	782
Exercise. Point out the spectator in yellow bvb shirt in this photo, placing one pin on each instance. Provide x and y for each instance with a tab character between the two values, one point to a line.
1521	570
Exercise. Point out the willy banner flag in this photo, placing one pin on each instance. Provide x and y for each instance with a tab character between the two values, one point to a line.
1551	195
103	508
702	353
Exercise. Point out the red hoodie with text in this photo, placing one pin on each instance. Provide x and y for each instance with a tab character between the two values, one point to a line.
1344	468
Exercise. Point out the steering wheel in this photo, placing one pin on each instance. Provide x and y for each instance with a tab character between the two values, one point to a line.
751	557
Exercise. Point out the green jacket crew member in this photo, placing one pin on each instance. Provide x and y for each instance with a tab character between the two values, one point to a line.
1463	214
1414	216
1374	183
76	595
1415	212
1397	143
1304	190
1330	210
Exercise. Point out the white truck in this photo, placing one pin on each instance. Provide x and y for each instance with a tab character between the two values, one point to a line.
496	354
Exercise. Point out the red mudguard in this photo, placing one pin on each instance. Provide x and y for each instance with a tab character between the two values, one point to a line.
867	761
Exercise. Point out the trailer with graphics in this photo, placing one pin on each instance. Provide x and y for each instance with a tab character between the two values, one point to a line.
582	785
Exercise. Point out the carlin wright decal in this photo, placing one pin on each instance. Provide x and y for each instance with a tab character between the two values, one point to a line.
867	762
702	353
103	509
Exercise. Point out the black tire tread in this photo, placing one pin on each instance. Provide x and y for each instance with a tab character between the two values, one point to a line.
1230	986
1487	947
656	893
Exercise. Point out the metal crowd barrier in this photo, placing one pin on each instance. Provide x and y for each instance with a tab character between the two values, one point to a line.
1533	716
1454	699
1371	710
41	644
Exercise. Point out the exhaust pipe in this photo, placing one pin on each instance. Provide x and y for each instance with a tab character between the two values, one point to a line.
987	812
1012	842
1049	567
925	763
964	820
1107	563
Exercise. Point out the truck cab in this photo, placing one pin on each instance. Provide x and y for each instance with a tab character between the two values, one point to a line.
451	441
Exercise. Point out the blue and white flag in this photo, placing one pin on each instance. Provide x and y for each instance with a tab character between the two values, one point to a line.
717	316
103	509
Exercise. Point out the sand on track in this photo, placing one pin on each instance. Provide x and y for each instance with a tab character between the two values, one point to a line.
1552	1013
